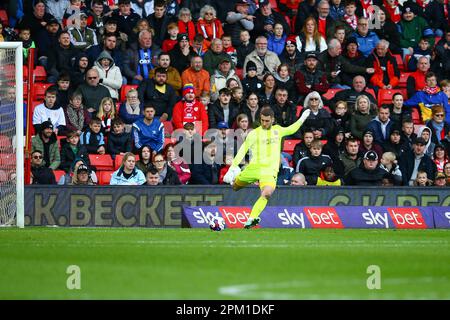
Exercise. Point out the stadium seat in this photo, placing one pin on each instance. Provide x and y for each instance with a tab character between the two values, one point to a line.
299	110
118	107
331	93
274	4
289	145
124	90
403	79
5	143
39	90
3	176
61	140
101	161
4	18
415	115
407	58
25	73
240	73
169	140
8	160
385	95
400	63
39	73
104	177
58	174
168	128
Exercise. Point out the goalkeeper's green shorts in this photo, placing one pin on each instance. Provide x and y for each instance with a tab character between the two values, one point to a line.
253	173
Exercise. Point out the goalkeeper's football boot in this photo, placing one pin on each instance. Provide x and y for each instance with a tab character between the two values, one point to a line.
252	222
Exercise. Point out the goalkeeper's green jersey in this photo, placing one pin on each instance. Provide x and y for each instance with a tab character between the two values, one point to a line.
265	146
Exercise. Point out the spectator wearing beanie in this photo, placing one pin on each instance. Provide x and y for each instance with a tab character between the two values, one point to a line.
190	110
291	56
251	83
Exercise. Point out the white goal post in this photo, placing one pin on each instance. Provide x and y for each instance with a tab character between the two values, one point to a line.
11	71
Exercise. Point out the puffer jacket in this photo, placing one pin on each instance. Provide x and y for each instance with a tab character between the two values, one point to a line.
111	78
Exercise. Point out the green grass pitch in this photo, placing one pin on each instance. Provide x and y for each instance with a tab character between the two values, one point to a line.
233	264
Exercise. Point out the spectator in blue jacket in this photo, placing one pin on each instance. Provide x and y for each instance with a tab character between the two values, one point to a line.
128	174
382	125
92	138
148	130
430	95
277	40
367	40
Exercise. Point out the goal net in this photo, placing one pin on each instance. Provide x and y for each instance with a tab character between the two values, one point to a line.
11	135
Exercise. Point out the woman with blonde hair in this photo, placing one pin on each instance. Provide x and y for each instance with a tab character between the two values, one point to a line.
309	39
106	112
128	174
363	114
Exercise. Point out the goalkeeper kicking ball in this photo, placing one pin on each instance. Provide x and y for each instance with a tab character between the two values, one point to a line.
217	224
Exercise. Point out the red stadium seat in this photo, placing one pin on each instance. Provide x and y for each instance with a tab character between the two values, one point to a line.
289	145
3	176
330	93
104	177
274	4
240	73
407	58
403	79
400	63
4	18
124	90
8	160
385	95
299	110
25	73
39	73
415	115
5	143
168	128
58	174
169	140
101	161
39	90
59	138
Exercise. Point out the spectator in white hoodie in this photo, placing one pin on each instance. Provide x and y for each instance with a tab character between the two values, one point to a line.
110	74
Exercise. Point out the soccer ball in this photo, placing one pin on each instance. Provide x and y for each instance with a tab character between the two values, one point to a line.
217	224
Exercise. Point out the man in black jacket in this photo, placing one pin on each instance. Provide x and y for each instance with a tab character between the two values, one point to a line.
159	21
222	110
368	173
159	94
207	172
350	95
40	174
285	112
265	19
93	92
416	160
61	58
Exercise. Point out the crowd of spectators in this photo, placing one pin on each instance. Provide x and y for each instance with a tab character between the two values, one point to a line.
214	64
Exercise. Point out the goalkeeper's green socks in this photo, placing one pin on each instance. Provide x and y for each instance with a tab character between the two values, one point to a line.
258	207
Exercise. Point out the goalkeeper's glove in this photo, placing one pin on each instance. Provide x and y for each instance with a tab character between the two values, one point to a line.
231	174
305	115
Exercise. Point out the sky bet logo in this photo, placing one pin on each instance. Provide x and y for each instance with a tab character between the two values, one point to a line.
325	217
376	219
235	217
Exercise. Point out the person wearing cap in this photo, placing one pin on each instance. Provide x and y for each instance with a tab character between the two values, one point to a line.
291	56
251	83
440	180
40	174
238	20
198	76
367	39
81	176
214	56
416	160
46	142
47	39
335	65
368	173
411	29
368	143
182	53
36	20
265	19
81	36
223	110
222	74
190	109
310	78
111	26
353	56
440	129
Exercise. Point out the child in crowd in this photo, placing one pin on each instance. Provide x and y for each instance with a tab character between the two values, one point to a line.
64	90
106	113
423	49
342	116
27	43
312	165
92	138
71	150
205	99
422	180
172	30
237	96
389	163
119	141
228	48
251	83
198	45
328	177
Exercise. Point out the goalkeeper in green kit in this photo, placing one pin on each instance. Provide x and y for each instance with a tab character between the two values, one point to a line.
264	144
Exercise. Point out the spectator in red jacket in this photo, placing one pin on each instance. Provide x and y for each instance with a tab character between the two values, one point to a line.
190	110
386	74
